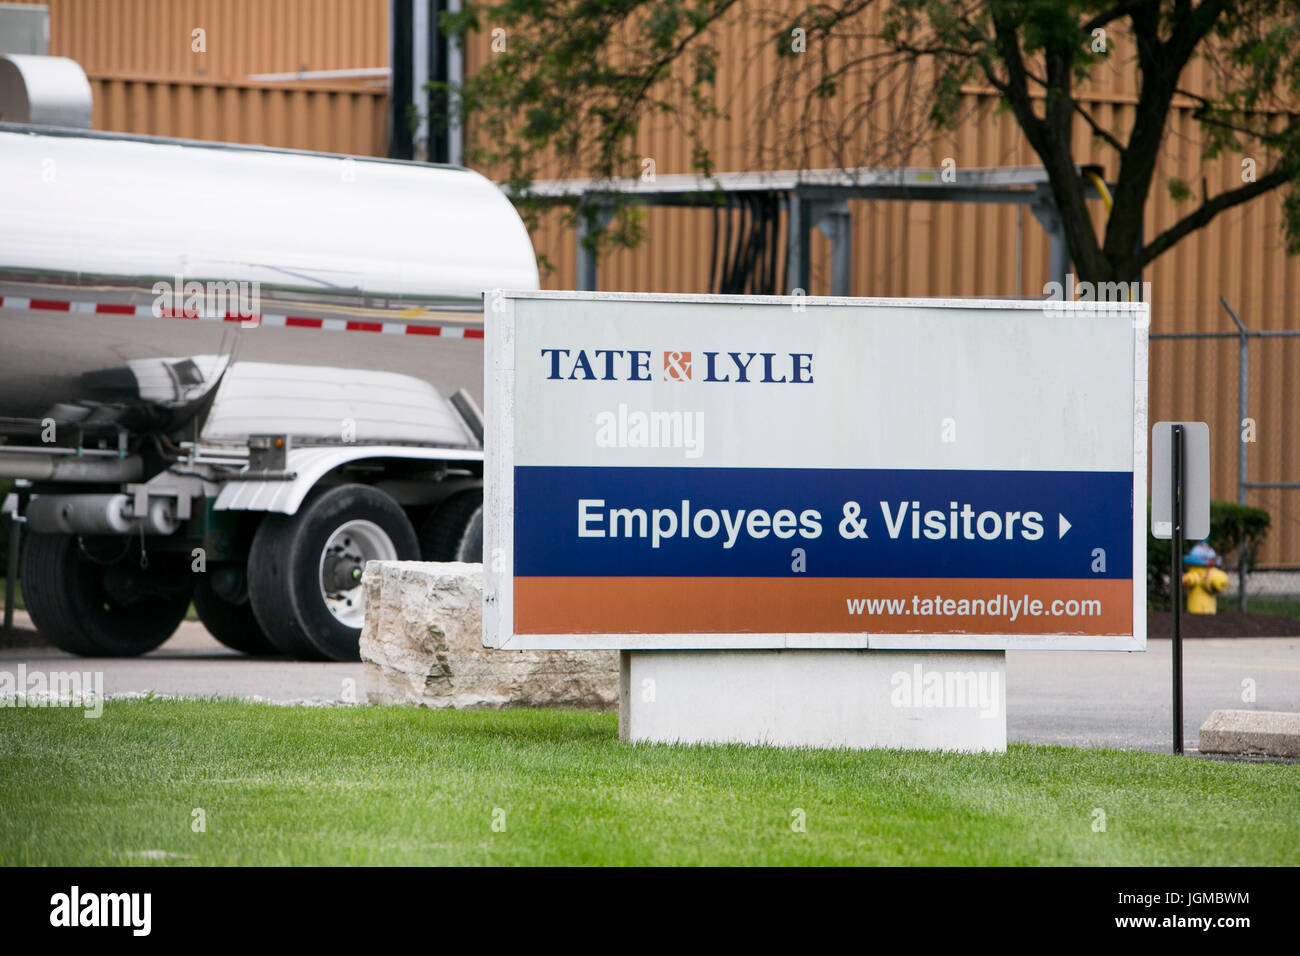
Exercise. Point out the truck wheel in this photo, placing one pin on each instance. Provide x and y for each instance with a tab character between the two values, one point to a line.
454	531
232	623
471	542
91	597
304	570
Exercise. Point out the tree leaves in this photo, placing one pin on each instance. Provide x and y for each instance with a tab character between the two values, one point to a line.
872	80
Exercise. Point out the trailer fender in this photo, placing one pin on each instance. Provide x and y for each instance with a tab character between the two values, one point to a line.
307	466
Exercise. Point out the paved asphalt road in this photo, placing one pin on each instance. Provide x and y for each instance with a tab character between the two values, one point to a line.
1078	699
194	664
1101	699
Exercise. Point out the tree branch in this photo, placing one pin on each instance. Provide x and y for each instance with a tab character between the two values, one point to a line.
1016	89
1206	212
1111	15
1097	129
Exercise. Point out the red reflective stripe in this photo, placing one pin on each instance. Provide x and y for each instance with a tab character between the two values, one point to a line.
291	321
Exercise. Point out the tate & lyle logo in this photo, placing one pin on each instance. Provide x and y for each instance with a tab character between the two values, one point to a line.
634	365
677	366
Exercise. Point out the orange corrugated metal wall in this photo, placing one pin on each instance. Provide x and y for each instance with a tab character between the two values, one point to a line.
153	38
147	79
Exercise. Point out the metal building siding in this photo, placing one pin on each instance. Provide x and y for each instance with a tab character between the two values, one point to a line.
146	79
152	38
330	120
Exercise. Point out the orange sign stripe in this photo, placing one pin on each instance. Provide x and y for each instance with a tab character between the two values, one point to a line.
656	605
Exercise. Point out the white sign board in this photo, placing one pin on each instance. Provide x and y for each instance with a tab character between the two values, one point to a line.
773	472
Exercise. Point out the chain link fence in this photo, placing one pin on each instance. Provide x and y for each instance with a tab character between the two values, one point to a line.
1246	383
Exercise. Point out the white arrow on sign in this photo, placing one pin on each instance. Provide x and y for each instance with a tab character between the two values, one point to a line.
1063	527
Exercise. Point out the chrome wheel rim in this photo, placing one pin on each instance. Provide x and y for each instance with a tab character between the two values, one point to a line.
342	561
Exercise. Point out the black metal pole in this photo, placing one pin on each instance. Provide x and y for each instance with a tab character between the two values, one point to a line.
1175	581
11	572
401	22
439	119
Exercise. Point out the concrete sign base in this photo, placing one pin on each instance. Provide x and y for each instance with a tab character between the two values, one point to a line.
912	700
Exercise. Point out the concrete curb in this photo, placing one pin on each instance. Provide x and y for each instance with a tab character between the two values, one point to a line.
1262	733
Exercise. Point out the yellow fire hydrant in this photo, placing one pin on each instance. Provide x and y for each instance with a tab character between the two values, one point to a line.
1204	580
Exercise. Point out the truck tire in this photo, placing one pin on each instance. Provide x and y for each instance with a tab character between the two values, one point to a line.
471	542
233	624
95	600
454	531
300	567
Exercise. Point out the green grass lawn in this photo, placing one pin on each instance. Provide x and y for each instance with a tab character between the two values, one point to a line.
1282	607
369	785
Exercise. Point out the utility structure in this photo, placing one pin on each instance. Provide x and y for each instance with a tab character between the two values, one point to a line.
1243	335
810	199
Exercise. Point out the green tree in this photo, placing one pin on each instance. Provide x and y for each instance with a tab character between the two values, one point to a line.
572	82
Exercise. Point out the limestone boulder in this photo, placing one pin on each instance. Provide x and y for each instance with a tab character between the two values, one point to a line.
422	645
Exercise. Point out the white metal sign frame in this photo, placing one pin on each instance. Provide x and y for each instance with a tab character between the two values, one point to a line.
500	308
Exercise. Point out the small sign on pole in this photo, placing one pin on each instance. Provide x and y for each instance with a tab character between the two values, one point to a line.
1196	480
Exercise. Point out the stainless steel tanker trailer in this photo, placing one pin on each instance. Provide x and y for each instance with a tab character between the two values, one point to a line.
232	376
